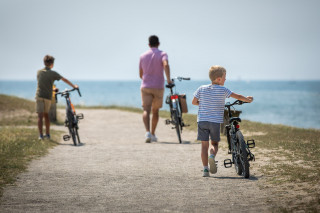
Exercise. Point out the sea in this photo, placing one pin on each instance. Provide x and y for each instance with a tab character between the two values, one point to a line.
291	103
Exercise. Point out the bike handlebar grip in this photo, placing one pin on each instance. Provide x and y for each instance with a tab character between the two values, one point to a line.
186	78
79	92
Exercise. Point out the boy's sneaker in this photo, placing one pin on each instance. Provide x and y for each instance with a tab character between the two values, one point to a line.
206	173
154	138
213	166
47	136
40	137
148	137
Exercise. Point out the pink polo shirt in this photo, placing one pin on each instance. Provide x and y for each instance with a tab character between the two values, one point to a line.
151	64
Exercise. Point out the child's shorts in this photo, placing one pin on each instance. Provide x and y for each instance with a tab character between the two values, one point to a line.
206	128
43	105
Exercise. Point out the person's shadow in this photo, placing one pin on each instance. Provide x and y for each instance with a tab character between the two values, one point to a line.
166	142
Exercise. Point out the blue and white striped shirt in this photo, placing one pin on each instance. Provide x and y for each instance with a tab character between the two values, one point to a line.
211	102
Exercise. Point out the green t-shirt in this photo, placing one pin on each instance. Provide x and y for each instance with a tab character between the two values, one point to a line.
45	78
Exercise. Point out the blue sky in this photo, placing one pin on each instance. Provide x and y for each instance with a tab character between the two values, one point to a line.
103	39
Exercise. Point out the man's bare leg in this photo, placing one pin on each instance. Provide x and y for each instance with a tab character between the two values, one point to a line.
146	119
155	119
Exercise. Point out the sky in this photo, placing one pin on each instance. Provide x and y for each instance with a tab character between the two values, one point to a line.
103	39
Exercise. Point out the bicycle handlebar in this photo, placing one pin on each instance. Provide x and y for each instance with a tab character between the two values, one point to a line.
237	102
181	78
68	91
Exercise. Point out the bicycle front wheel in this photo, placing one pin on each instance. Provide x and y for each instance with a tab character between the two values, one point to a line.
243	155
77	134
72	129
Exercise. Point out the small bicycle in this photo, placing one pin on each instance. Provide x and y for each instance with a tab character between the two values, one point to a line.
176	108
72	119
240	150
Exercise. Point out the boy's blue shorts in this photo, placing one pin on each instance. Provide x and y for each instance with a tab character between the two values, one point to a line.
206	128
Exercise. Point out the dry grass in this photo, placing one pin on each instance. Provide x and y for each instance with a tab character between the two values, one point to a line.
19	145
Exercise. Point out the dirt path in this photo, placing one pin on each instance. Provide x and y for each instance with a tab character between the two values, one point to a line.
115	171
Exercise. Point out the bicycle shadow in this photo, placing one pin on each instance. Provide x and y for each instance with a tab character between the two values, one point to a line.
69	144
165	142
252	178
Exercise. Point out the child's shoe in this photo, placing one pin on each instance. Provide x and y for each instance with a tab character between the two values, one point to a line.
40	137
206	173
212	163
47	136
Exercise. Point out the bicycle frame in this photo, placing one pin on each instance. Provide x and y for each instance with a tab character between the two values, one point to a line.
72	119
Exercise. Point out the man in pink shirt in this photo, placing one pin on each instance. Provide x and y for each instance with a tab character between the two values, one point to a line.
151	67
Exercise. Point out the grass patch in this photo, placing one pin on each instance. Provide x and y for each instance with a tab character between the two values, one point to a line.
17	111
17	147
15	103
299	147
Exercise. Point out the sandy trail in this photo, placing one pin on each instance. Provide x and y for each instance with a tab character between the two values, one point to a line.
115	171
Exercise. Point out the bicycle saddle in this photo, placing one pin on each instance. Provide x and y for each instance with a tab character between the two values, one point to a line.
170	85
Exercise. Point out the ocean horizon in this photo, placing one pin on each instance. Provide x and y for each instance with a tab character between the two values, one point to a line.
291	103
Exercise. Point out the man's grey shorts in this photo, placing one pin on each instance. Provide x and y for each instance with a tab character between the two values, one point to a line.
206	128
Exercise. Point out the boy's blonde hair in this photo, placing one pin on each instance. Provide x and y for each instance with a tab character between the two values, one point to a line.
216	72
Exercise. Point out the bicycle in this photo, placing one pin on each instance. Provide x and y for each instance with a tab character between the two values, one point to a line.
72	119
240	150
174	102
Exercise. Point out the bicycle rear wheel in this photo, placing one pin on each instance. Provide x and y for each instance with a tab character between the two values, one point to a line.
236	158
243	155
177	124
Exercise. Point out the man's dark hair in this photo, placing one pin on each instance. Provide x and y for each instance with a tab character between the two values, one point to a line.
154	41
48	60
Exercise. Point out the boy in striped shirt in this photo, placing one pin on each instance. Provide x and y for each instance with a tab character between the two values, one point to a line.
211	100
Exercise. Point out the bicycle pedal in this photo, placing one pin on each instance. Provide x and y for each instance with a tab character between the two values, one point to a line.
251	143
167	121
227	163
251	157
66	137
80	116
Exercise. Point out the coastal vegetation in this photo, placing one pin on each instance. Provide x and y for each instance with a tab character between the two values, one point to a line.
19	138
